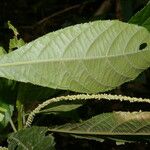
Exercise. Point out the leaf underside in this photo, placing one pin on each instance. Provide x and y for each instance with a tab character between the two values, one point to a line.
90	58
116	125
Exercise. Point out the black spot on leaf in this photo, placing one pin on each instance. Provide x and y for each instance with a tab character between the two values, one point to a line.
142	46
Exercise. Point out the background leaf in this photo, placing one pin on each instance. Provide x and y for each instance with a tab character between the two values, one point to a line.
10	26
31	138
2	51
142	17
91	57
123	126
62	106
15	42
62	109
6	111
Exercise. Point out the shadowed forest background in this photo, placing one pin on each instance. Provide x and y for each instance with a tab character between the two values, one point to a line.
34	18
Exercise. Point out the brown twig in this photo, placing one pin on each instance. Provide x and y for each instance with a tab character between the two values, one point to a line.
104	7
118	10
58	13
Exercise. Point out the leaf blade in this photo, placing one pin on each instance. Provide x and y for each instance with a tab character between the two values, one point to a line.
6	111
72	58
31	138
142	17
116	125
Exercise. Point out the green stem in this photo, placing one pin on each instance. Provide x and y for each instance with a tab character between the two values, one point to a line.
19	107
12	125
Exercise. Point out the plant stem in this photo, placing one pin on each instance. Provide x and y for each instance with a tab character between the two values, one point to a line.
12	125
19	107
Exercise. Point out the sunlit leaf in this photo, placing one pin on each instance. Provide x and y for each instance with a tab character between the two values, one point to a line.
91	57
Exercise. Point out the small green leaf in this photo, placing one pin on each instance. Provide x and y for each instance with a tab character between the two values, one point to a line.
65	109
6	111
2	51
15	43
34	138
117	125
10	26
61	106
142	17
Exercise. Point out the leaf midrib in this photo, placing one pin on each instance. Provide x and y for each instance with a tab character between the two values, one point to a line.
64	59
99	133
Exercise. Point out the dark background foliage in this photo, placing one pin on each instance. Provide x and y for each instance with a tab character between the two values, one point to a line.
34	18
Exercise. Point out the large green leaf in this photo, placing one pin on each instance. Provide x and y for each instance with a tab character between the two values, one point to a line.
91	57
31	139
142	17
117	125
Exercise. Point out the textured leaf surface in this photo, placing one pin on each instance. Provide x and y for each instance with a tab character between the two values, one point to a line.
91	57
31	139
142	17
116	125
